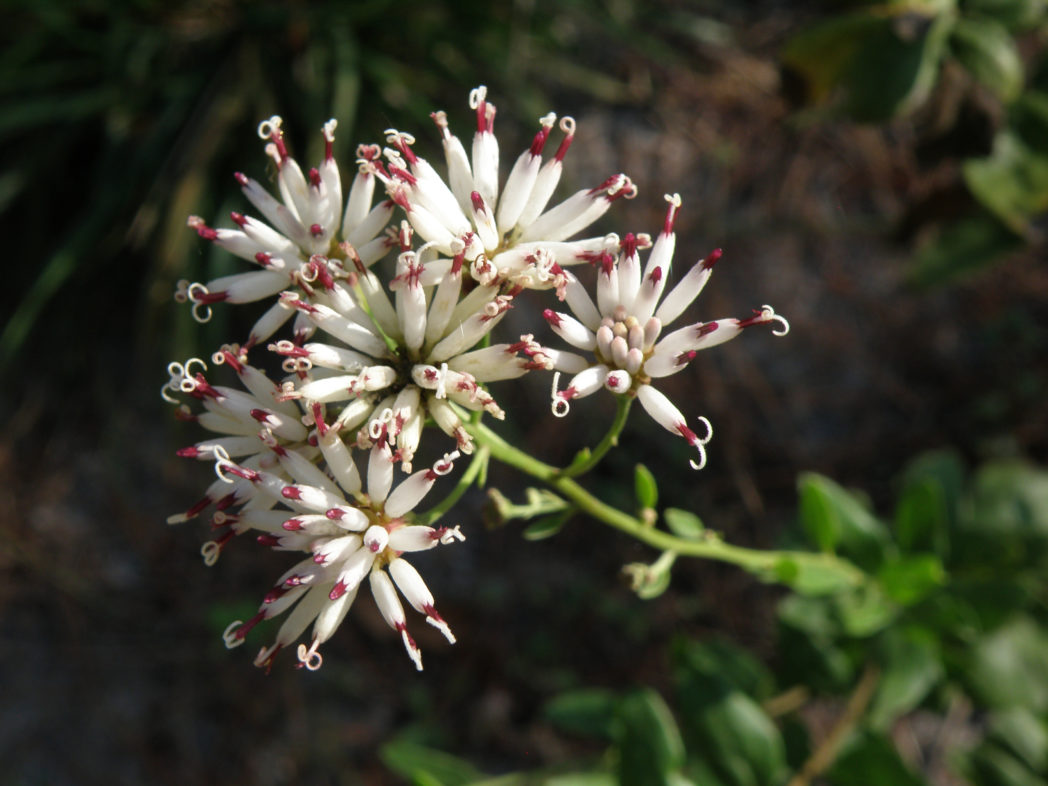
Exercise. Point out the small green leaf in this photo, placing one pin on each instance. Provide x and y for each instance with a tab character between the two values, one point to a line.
836	519
962	247
657	584
425	765
987	50
809	575
907	580
1013	14
683	523
1022	732
547	526
871	759
1007	667
589	712
720	658
645	487
1012	182
649	743
911	668
921	518
865	611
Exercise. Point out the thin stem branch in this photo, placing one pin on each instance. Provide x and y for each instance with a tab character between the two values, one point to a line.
709	547
588	459
823	756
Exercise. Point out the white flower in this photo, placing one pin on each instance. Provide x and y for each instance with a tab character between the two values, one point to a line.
402	362
254	425
622	330
349	536
508	233
309	219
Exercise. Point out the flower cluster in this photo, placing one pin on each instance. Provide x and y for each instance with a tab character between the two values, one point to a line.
373	357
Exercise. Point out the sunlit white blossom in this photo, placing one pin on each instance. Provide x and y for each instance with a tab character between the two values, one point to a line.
622	331
509	232
309	219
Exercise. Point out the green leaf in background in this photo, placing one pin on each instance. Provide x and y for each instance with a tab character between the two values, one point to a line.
992	765
986	49
836	519
719	658
1008	669
962	247
910	668
1028	118
547	526
723	726
1025	734
683	523
649	743
427	766
865	610
908	579
870	759
927	504
1012	182
876	63
589	712
1013	14
645	487
810	576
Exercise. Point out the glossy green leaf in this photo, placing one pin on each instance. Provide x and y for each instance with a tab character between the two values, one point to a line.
648	741
589	712
835	519
683	523
908	579
426	766
645	487
911	667
985	47
1012	182
921	517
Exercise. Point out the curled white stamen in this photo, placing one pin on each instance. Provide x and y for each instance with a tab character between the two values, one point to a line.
267	128
476	95
181	380
445	465
195	293
379	423
210	551
328	129
451	534
567	125
222	462
768	313
310	658
229	635
673	199
393	136
180	290
308	272
442	382
700	444
560	405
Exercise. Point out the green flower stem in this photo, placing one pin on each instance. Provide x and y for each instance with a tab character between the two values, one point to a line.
588	459
709	547
480	459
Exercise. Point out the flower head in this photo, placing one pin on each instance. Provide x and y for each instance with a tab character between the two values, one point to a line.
509	232
351	532
308	221
622	329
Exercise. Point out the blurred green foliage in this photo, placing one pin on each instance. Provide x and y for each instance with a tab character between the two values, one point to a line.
951	627
882	60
